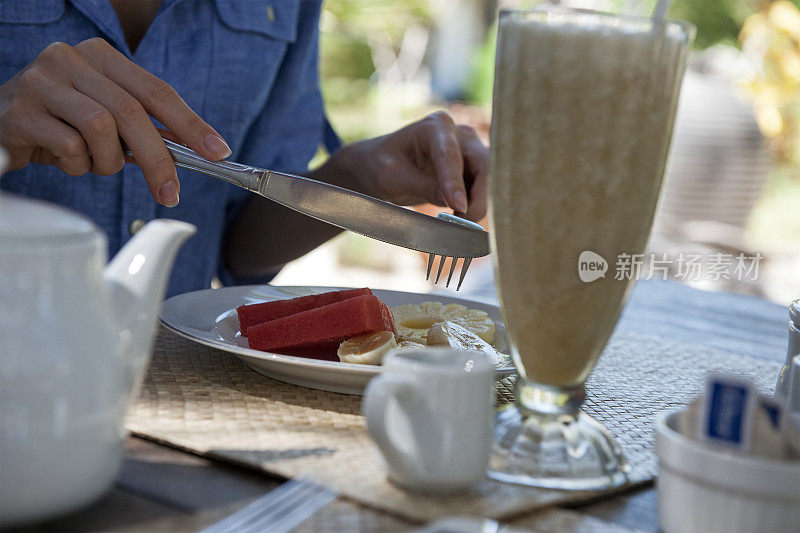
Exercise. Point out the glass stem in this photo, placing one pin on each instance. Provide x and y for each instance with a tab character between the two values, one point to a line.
537	399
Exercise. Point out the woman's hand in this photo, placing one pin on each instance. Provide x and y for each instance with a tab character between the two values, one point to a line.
433	160
71	106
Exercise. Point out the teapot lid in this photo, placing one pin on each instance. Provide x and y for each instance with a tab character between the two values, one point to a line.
27	222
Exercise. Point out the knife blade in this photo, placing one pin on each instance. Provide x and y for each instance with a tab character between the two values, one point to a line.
374	218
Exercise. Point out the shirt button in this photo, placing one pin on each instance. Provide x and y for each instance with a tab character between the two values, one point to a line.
270	14
136	225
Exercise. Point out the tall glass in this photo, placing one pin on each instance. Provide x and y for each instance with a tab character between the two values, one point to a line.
583	110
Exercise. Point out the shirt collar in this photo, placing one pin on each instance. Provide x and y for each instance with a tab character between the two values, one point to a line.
105	18
102	15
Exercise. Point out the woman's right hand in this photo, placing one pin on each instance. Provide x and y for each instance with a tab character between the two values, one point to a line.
71	106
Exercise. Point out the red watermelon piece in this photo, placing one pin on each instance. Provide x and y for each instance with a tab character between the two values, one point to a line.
320	331
250	315
388	319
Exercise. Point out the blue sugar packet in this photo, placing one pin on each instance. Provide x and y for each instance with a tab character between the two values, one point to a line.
727	411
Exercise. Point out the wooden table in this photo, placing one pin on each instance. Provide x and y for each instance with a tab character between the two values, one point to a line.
162	489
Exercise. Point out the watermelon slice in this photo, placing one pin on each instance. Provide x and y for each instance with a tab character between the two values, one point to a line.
319	331
250	315
388	319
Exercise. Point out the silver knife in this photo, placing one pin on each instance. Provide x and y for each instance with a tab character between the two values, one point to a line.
446	235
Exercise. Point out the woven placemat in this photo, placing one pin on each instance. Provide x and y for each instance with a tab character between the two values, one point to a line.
208	402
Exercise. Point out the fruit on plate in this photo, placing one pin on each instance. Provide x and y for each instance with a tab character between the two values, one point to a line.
409	345
367	349
414	320
250	315
322	329
459	338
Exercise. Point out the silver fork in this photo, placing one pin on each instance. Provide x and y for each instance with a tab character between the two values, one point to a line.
453	260
278	511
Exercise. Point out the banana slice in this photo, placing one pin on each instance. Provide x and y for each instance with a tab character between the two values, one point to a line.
413	321
452	335
367	349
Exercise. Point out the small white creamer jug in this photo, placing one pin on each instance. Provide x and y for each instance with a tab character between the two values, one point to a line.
430	413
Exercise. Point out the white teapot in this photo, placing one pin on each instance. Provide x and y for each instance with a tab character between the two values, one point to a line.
75	339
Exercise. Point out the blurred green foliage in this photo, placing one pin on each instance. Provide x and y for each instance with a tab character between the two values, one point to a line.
479	89
347	27
717	21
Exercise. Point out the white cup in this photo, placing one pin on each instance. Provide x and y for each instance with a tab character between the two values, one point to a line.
430	413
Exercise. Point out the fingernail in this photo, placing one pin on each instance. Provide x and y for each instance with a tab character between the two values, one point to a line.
217	146
460	202
169	194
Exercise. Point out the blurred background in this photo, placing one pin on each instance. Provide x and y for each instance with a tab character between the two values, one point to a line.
733	183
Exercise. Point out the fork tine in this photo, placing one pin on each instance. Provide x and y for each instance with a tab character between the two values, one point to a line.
431	257
441	264
452	269
464	267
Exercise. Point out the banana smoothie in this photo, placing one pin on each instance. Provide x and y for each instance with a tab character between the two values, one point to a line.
582	120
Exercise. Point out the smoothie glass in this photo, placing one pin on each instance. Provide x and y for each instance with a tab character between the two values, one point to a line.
583	109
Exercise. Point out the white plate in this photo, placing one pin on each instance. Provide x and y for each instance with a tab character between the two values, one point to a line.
209	317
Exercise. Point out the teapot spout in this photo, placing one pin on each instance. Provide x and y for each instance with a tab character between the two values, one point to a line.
137	279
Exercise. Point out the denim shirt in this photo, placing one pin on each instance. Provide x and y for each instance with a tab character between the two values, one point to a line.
247	67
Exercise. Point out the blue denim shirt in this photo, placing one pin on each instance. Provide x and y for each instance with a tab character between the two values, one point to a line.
247	67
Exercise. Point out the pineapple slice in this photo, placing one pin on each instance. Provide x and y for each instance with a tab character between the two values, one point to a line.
414	320
409	345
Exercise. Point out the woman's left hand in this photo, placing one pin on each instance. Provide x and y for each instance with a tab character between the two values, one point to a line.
433	160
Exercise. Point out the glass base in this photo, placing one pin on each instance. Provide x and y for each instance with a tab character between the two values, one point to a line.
570	451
